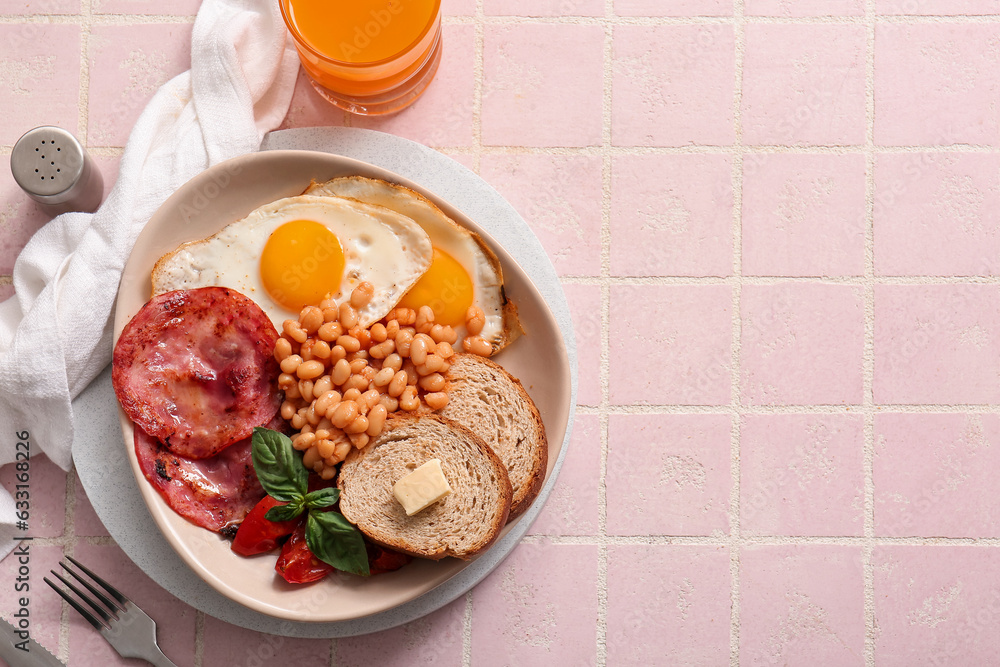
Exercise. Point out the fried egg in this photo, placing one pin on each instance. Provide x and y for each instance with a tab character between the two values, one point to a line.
293	252
464	271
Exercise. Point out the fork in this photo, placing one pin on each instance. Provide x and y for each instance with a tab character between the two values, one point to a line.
126	627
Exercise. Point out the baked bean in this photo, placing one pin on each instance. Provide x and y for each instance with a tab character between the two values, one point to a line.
432	365
442	333
393	361
305	440
378	332
364	338
411	372
287	409
409	401
351	394
444	367
327	302
325	447
418	351
345	413
286	380
282	349
341	371
290	364
403	340
330	331
292	390
436	400
383	349
425	319
359	382
331	313
298	421
390	403
359	425
328	472
370	398
321	350
325	400
311	457
368	373
391	328
306	390
311	318
309	370
325	425
294	330
312	416
337	352
444	350
477	345
349	343
359	440
340	452
397	384
383	377
362	294
348	316
376	420
405	316
322	385
433	382
475	320
358	365
306	350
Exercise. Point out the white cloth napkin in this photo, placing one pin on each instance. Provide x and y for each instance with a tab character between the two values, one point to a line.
55	335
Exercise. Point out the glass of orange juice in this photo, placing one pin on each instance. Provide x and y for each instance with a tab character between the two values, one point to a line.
369	57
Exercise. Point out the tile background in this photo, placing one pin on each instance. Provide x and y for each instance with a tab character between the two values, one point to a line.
776	223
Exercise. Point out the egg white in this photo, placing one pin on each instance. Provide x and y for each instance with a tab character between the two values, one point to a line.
380	246
462	244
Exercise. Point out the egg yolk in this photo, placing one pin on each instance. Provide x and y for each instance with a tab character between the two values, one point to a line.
446	288
302	261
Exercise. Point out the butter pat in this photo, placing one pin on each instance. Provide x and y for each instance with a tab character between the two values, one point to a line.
422	487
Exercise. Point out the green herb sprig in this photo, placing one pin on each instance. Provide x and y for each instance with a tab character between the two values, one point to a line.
330	537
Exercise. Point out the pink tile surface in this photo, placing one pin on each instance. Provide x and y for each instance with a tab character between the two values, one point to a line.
458	7
435	639
175	621
668	474
936	344
42	608
176	8
936	7
309	109
538	84
672	215
560	198
936	214
673	8
43	494
543	7
585	309
801	604
85	519
20	218
804	8
40	76
28	7
572	507
673	85
231	644
804	215
937	605
802	475
520	615
668	605
804	84
936	84
686	359
783	327
130	64
442	116
934	475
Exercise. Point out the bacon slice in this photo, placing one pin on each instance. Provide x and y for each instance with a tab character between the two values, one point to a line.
215	493
195	369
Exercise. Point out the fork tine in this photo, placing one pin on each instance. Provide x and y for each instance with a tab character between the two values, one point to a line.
118	595
110	604
103	613
76	605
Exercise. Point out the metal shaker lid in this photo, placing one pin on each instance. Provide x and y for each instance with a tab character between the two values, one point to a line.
51	166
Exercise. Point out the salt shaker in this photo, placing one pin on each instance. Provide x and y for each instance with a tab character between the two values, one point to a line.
55	170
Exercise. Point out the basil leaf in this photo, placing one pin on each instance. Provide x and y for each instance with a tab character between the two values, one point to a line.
284	512
321	498
279	468
334	540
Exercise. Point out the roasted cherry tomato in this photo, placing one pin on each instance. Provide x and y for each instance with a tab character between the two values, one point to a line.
297	564
257	534
382	560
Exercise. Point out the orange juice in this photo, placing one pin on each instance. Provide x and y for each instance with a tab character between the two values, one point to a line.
367	56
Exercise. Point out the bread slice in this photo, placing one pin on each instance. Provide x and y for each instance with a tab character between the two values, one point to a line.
494	404
462	524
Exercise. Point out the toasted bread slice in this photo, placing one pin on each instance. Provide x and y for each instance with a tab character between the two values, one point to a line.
462	524
494	404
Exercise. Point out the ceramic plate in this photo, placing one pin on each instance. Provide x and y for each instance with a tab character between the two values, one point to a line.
228	192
